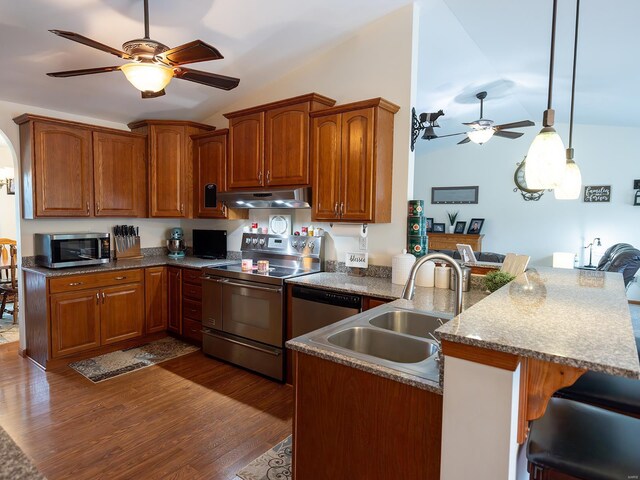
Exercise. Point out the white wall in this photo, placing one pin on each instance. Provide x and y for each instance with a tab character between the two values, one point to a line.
377	61
8	226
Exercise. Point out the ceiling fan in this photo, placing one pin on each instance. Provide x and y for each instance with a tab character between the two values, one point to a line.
152	65
483	129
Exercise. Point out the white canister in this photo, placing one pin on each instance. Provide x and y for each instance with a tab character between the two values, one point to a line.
426	275
442	276
401	266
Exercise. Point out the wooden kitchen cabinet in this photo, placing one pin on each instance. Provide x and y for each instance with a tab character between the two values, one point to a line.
352	162
75	322
119	175
121	313
174	296
192	304
72	169
57	170
269	144
449	241
155	291
170	165
210	167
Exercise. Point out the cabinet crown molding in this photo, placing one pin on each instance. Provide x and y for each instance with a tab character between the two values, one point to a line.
347	107
309	97
30	117
185	123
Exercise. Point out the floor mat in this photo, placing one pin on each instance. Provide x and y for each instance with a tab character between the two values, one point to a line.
8	331
274	464
110	365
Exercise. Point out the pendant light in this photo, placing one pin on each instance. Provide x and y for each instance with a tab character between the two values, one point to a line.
546	161
569	188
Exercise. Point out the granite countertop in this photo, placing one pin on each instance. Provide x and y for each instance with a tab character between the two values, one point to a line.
150	261
578	318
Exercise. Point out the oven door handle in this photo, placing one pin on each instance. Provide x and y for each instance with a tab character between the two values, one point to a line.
255	287
274	352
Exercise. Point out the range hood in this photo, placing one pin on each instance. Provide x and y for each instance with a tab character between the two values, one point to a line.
271	198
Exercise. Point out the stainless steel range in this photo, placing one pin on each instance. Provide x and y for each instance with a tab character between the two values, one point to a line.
243	312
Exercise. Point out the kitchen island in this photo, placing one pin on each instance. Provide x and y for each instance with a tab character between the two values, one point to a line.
504	356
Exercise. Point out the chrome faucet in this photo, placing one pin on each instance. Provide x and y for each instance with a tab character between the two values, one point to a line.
410	286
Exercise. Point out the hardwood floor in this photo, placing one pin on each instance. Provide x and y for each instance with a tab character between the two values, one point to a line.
188	418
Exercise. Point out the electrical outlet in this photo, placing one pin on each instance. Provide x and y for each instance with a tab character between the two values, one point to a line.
636	184
364	243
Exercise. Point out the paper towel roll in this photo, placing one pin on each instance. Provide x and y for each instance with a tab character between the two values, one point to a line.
349	230
442	277
401	267
426	274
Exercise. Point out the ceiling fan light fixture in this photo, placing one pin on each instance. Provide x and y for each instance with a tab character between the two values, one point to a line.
571	184
480	135
147	77
546	160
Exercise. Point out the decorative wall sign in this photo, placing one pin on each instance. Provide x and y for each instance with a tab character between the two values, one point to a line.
356	259
450	195
597	193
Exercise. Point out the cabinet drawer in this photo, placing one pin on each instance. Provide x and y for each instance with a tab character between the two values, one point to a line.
72	283
192	330
191	276
192	310
193	292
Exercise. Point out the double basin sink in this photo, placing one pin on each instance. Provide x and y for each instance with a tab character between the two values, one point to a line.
388	336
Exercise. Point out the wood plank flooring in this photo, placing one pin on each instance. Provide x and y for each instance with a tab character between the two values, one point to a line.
188	418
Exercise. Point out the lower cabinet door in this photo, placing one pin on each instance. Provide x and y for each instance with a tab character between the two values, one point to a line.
174	276
75	322
155	289
122	312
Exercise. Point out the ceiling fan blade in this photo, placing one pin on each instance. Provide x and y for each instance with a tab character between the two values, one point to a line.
475	123
192	52
452	134
91	43
507	126
84	71
153	94
466	140
511	135
206	78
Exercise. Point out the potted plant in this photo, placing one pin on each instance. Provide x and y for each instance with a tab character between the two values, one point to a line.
452	220
496	279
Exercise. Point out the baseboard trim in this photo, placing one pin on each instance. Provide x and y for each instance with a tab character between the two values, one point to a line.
634	302
22	352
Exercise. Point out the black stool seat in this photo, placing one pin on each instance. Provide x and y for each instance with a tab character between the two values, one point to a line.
585	441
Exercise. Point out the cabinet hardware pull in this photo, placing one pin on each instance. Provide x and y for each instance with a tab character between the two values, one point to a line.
268	176
75	284
88	208
97	298
341	208
103	297
260	177
98	206
335	209
120	278
182	208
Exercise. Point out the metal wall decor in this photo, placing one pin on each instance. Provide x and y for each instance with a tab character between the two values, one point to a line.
528	194
426	122
597	193
454	195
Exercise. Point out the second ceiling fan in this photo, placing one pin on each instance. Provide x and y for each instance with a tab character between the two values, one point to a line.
483	129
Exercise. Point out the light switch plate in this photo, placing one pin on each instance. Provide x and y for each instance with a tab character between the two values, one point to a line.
364	243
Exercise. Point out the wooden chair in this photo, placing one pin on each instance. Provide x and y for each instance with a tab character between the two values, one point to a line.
9	288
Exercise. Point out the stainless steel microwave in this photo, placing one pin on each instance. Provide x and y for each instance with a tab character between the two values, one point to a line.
60	250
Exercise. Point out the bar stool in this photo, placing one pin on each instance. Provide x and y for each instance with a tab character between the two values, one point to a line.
575	441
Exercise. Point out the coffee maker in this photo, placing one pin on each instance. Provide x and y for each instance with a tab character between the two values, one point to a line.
176	244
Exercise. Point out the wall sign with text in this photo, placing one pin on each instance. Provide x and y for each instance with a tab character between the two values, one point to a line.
597	193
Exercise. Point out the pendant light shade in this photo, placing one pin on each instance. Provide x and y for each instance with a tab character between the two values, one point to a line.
546	160
569	188
546	157
147	77
480	135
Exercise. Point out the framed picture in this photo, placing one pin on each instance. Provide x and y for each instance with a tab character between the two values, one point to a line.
475	225
438	228
460	227
429	224
454	195
11	186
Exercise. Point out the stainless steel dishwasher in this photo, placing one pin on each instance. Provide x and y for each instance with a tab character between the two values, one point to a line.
312	308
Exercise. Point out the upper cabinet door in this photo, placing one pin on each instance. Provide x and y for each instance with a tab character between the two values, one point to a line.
209	167
167	171
356	202
325	154
119	175
246	152
287	145
63	174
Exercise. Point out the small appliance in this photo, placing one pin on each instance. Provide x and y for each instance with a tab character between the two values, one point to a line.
210	243
60	250
176	244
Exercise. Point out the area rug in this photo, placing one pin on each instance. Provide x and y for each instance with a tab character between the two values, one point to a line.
8	331
14	464
274	464
110	365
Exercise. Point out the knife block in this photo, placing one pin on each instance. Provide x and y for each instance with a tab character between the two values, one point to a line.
130	253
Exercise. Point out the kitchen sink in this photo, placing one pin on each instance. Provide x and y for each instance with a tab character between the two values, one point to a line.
383	344
407	322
